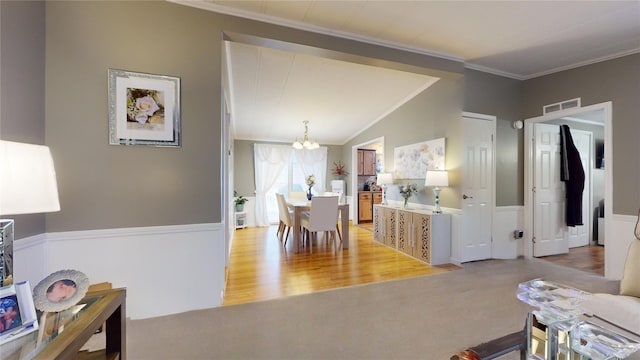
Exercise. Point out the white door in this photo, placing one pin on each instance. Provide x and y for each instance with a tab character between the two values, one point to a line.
551	235
548	232
581	235
477	189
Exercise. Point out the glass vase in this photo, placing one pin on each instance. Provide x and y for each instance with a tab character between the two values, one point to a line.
406	203
309	195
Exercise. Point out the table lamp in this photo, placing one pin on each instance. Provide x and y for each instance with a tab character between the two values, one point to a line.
27	186
384	179
437	178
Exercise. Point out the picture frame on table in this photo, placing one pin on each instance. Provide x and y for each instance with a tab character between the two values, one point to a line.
144	109
17	312
60	290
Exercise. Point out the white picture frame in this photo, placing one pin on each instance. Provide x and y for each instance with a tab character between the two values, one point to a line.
60	290
144	109
17	311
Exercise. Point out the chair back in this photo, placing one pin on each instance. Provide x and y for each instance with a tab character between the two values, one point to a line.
334	193
283	210
324	213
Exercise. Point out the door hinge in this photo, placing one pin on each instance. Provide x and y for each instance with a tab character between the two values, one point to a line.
533	239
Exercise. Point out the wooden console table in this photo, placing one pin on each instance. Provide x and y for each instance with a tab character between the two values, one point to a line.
101	306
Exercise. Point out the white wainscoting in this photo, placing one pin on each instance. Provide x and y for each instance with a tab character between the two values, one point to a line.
507	219
30	259
166	269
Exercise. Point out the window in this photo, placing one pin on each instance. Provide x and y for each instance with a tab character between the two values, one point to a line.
281	169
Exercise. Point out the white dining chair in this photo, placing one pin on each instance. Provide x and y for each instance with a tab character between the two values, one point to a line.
286	218
323	216
339	195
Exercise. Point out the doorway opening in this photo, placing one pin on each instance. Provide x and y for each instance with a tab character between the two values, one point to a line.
358	182
594	120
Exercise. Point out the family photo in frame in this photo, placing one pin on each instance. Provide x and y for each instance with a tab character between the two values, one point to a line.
144	109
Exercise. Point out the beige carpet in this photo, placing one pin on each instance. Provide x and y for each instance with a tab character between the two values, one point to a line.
427	317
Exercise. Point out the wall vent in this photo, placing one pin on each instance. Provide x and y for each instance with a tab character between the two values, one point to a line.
563	105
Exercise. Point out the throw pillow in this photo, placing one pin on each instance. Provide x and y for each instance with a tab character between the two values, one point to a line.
637	232
630	283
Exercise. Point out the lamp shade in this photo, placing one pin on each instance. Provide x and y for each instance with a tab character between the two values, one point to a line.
384	179
436	178
27	179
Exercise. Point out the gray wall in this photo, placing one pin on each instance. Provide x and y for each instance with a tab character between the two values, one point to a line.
22	41
618	81
495	95
434	113
106	186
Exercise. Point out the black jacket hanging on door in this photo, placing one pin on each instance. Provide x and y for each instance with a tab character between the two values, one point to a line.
572	173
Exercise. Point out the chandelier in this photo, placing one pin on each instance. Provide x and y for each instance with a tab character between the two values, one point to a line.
305	144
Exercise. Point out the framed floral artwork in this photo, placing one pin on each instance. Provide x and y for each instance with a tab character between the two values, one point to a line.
144	109
413	161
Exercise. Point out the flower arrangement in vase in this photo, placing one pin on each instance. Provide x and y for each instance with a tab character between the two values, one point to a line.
339	170
406	191
310	181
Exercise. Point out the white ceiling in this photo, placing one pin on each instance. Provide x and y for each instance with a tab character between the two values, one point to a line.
274	91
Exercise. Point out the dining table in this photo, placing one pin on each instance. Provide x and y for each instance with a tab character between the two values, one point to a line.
299	206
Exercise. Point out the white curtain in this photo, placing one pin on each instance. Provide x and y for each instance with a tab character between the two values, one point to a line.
313	162
270	161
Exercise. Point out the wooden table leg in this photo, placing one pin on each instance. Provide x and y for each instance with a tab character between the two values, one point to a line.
344	215
296	228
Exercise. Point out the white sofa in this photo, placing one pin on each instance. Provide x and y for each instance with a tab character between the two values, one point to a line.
623	309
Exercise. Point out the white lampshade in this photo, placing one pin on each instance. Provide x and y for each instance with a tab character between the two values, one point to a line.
384	179
27	179
436	178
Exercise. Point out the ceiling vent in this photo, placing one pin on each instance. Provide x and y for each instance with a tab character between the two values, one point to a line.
563	105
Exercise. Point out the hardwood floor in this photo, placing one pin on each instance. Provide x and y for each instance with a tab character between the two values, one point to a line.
585	258
260	268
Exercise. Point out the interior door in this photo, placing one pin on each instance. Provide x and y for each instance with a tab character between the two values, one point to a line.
549	237
477	190
581	235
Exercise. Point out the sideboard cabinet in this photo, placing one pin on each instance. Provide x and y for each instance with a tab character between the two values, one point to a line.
418	233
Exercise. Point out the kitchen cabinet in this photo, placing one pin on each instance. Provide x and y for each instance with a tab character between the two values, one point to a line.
417	233
365	206
366	162
366	200
377	197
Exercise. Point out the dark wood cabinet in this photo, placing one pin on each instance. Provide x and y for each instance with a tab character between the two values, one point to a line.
366	162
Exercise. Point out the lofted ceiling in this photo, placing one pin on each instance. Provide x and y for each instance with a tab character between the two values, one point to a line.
273	91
